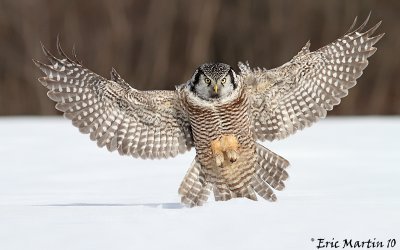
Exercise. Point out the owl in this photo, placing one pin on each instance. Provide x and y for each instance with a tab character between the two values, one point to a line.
222	114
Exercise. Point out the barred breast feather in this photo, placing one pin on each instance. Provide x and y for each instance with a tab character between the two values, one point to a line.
208	123
257	170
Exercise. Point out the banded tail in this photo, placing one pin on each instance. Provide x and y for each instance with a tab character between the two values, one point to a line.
270	173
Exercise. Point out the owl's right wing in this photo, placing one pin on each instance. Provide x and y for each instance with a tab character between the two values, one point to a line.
145	124
297	94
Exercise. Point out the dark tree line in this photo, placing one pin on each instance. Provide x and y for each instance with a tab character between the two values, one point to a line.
156	44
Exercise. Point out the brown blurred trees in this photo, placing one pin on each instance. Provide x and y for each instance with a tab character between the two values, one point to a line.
157	44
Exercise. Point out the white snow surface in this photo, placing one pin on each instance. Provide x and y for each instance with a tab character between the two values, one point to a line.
58	190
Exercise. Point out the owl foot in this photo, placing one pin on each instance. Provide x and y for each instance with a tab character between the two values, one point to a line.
232	155
226	144
219	159
217	152
230	145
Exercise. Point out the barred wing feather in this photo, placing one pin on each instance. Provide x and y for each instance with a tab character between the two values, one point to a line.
297	94
145	124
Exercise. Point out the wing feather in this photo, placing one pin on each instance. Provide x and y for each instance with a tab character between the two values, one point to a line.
297	94
145	124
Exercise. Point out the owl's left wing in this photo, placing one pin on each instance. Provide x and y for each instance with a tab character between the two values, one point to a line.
145	124
295	95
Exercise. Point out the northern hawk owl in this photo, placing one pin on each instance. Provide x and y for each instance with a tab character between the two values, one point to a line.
220	113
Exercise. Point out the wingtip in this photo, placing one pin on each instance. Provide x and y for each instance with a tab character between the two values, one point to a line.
75	55
42	80
44	49
369	14
362	26
376	38
352	25
368	17
41	44
307	45
48	54
369	32
114	75
74	50
37	63
59	48
373	29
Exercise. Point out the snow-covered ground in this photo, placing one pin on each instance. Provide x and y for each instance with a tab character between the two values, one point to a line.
59	191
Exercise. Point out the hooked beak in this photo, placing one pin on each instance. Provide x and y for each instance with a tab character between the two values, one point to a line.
216	88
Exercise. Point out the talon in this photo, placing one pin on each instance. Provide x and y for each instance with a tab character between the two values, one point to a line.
219	159
232	155
217	152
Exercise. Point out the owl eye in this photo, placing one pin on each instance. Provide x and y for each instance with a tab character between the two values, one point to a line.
223	80
207	80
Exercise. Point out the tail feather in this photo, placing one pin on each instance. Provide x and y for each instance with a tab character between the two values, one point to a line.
270	173
263	189
222	193
193	190
204	194
271	167
272	180
251	194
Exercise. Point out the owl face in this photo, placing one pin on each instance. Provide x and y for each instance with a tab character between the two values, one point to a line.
213	80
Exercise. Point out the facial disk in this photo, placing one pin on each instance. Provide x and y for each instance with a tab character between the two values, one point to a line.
213	80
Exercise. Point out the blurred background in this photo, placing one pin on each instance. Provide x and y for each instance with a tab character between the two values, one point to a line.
157	44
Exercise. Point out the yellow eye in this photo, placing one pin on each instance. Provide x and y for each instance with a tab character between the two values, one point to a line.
223	80
208	81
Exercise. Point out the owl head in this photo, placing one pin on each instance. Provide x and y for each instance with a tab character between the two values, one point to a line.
213	80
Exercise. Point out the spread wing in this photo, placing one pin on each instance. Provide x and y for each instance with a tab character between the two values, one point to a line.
146	124
297	94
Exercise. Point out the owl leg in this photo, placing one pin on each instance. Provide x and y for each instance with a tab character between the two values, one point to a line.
230	145
217	152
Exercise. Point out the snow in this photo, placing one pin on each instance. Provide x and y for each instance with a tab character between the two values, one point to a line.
58	190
